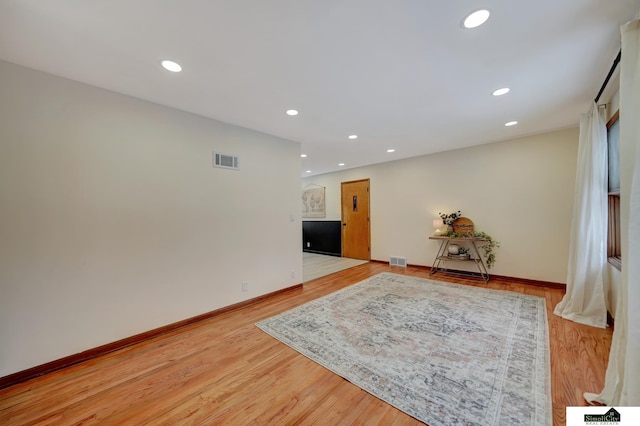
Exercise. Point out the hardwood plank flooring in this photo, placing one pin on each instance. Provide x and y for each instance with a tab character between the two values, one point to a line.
226	371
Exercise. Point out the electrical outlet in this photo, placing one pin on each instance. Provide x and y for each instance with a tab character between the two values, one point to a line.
293	274
308	244
245	286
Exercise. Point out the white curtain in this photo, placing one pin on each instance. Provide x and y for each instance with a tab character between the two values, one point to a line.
584	301
622	382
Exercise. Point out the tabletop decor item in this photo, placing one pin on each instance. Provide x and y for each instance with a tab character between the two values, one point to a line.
462	253
463	226
438	224
453	249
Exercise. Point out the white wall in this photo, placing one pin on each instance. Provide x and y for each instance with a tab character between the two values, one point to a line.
519	191
113	221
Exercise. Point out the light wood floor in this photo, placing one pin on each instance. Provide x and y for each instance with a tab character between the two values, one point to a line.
226	371
319	265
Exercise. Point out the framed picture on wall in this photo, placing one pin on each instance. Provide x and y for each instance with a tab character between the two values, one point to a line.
313	202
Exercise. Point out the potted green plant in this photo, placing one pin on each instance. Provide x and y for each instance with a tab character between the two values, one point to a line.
463	252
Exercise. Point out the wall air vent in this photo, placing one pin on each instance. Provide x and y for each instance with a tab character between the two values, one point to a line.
225	161
398	261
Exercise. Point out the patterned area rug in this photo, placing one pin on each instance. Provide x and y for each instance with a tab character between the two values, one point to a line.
443	353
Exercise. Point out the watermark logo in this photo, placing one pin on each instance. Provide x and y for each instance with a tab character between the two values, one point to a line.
610	417
597	416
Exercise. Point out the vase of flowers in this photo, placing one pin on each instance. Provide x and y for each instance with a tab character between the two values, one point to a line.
448	219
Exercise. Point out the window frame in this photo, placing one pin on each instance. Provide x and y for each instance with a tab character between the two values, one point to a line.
614	254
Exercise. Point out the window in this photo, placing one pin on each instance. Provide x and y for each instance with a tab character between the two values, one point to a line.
613	234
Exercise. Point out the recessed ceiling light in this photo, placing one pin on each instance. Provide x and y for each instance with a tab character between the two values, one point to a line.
501	92
475	19
340	164
511	123
303	155
308	171
353	136
171	66
292	112
391	150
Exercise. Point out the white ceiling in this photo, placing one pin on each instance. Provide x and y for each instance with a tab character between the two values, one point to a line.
400	74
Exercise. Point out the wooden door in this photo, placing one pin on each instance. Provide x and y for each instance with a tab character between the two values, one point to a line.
356	235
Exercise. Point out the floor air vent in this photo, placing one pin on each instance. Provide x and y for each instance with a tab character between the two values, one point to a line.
398	261
225	161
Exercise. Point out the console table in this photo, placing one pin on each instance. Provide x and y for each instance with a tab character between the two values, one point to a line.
442	256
